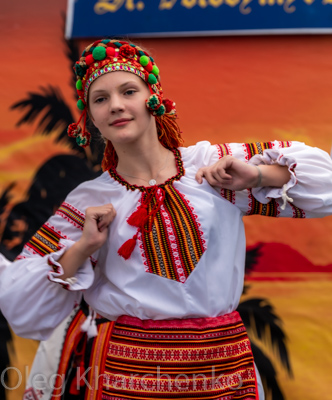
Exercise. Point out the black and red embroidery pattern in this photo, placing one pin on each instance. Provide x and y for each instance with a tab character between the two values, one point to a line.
175	244
71	214
44	241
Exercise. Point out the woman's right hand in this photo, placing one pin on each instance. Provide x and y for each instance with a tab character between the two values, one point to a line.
97	220
95	232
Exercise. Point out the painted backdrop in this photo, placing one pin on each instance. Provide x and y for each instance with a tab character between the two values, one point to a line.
247	89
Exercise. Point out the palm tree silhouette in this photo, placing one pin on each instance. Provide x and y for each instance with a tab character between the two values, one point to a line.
5	334
51	113
264	325
48	108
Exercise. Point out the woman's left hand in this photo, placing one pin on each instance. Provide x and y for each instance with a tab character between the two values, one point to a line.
230	173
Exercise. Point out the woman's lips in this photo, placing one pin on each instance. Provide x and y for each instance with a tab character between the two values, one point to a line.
120	122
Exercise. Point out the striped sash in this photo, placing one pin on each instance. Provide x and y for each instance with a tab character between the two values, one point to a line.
198	358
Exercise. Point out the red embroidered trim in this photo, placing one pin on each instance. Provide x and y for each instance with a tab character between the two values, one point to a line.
44	241
188	323
71	214
297	212
224	150
271	209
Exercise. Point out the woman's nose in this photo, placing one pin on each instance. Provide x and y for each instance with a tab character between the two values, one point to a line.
116	104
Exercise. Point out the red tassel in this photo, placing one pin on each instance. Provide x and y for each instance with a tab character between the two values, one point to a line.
78	380
127	248
74	390
139	217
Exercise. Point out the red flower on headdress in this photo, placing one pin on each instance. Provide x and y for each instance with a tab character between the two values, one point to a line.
127	51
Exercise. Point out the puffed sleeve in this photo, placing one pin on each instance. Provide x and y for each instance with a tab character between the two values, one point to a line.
309	190
308	193
33	298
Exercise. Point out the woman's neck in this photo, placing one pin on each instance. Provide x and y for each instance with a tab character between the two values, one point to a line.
145	163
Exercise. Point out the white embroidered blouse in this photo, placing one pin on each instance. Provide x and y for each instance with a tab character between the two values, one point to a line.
190	265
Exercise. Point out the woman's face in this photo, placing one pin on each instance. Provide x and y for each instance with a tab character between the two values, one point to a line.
117	107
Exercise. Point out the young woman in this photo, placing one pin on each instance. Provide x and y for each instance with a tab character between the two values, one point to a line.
156	244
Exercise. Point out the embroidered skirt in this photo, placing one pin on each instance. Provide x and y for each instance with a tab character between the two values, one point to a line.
198	358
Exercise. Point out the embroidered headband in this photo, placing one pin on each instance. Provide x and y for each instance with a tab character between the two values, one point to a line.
105	56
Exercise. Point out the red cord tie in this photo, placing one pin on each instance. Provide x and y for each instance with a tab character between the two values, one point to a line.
83	137
142	217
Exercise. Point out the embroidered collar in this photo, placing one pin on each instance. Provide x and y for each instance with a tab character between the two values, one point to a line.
179	165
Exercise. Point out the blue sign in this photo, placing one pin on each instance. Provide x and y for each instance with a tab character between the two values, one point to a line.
152	18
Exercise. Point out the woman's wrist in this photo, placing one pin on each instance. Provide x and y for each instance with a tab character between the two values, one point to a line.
73	258
259	177
83	250
274	175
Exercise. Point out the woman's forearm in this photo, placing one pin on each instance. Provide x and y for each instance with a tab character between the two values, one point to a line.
72	259
273	175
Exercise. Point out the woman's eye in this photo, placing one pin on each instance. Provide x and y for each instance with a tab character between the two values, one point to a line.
130	91
100	100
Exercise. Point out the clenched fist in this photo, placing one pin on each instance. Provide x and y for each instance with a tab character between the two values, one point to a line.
97	220
230	173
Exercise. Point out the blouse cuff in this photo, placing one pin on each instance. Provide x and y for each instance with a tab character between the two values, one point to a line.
269	157
84	276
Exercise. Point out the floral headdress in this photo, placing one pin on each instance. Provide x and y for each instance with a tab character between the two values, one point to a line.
105	56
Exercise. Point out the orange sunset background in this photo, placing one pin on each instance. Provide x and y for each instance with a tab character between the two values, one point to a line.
227	89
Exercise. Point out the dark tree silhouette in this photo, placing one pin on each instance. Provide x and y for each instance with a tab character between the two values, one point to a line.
5	342
258	316
51	184
268	374
49	109
4	202
5	334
